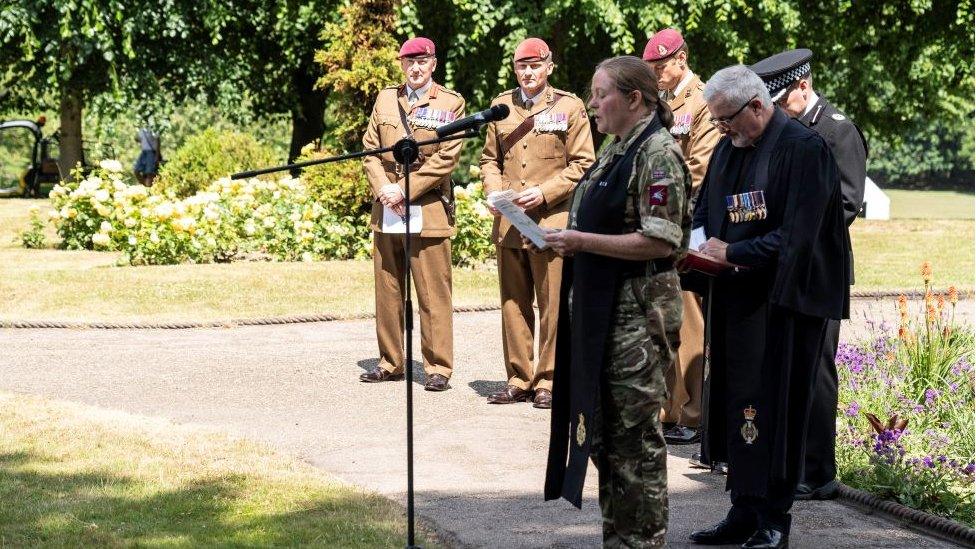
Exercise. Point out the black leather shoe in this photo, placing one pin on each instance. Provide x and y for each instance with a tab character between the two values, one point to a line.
679	434
767	538
720	468
436	382
806	492
696	461
510	395
724	533
378	374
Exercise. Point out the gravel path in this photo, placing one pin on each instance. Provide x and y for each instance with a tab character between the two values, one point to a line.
479	468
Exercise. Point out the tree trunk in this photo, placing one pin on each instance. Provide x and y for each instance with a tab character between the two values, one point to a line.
308	117
70	150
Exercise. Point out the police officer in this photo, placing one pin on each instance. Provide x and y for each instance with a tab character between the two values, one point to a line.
788	77
539	151
628	223
667	53
416	107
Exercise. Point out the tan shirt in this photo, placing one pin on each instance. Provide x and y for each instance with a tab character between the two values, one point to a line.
552	157
695	135
433	176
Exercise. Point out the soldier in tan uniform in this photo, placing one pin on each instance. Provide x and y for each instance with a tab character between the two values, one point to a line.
415	108
667	53
540	152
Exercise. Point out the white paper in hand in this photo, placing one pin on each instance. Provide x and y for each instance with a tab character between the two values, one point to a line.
502	201
394	224
697	238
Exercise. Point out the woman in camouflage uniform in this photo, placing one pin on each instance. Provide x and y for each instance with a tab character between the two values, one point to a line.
629	222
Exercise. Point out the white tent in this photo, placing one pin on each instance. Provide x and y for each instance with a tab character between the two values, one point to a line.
877	205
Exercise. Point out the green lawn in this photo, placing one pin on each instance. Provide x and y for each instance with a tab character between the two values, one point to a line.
930	204
59	285
74	476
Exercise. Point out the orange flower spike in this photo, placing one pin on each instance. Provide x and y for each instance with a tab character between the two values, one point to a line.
903	304
940	302
930	313
903	333
927	271
953	295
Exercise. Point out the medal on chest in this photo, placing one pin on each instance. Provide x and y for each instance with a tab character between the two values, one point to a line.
550	122
750	206
749	431
682	125
430	118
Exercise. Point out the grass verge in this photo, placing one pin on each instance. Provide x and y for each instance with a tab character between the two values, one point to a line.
87	286
77	476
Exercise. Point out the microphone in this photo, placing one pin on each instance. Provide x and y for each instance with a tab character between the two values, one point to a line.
497	112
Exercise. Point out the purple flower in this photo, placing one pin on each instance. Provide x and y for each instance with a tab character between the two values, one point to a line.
927	460
970	468
930	396
853	409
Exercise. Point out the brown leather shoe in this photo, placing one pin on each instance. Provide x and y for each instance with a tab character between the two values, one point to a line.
510	395
436	382
543	399
378	374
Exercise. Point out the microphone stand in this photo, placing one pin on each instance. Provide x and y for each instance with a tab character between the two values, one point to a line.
405	152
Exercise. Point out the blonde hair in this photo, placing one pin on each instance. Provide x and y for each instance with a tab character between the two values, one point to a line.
629	74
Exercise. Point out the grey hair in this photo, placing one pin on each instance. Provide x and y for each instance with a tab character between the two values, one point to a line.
737	85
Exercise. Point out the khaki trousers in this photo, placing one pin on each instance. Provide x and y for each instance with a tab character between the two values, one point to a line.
525	277
685	376
430	263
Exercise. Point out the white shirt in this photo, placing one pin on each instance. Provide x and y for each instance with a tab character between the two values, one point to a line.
811	102
419	93
684	82
148	141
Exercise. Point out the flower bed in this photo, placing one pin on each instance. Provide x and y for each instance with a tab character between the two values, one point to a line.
905	425
231	220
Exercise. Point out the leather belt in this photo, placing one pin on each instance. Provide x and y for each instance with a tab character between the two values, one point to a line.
396	168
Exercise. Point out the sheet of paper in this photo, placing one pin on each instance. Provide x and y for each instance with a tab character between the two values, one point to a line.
394	224
502	201
697	238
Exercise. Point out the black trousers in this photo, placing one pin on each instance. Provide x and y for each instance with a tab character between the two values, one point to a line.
820	464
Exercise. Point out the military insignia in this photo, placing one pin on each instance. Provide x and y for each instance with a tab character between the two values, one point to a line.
550	122
682	125
658	174
661	49
658	195
837	116
749	431
750	206
431	119
581	430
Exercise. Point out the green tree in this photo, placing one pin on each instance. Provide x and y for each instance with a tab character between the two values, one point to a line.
65	54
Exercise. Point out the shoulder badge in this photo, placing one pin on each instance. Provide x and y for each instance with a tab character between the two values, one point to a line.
657	195
837	116
447	90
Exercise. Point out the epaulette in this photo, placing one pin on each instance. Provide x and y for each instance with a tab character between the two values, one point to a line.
564	92
446	90
506	92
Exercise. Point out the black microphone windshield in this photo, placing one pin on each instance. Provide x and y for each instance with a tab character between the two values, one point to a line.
499	112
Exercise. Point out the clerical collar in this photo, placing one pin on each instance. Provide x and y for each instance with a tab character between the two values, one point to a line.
811	102
527	98
422	91
684	82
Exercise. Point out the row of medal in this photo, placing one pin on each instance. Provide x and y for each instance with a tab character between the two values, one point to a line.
550	122
431	119
749	206
682	125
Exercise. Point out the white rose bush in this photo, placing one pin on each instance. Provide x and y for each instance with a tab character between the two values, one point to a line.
230	220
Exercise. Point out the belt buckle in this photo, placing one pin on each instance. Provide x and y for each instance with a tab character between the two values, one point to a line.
398	169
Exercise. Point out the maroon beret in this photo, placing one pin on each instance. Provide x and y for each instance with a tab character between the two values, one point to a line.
663	44
531	48
416	47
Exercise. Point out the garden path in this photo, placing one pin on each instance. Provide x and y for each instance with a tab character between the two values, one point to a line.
479	468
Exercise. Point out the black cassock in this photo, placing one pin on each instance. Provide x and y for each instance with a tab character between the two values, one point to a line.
768	319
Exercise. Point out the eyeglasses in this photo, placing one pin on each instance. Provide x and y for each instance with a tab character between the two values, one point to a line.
726	121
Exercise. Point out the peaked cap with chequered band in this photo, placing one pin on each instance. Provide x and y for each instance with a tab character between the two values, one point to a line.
780	71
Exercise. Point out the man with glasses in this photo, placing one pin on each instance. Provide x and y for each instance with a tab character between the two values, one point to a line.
415	108
667	54
788	78
770	209
540	152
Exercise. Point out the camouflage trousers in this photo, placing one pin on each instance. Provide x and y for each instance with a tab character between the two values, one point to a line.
628	444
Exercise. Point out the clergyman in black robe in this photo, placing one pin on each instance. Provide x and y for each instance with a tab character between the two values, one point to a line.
770	205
